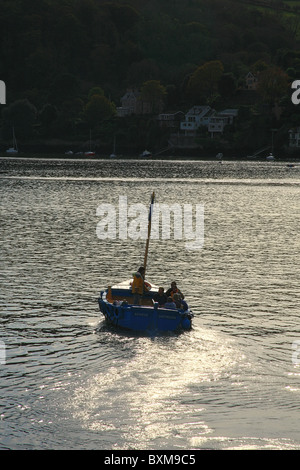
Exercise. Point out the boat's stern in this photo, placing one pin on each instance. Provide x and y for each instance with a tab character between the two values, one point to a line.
143	317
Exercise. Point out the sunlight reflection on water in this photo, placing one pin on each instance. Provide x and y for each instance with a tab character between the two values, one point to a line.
146	397
70	382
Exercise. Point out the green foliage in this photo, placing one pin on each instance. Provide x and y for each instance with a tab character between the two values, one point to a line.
65	86
273	85
97	109
63	55
154	93
109	43
21	116
203	84
96	90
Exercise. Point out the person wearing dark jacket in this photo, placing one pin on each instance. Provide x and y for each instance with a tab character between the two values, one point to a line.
174	290
160	297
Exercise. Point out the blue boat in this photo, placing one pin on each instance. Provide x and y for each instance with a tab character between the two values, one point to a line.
118	306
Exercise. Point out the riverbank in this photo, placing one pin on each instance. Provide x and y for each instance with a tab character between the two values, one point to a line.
194	156
58	148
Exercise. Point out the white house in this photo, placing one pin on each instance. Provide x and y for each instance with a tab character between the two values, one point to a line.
216	125
170	120
197	116
132	103
221	119
251	81
228	115
214	121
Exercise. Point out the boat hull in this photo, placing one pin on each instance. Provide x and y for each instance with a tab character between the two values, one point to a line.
146	318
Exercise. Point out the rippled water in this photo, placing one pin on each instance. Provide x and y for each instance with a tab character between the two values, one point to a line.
69	381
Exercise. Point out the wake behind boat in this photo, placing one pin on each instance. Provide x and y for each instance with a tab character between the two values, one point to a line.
123	307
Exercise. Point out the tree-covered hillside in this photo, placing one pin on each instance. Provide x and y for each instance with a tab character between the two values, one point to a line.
54	52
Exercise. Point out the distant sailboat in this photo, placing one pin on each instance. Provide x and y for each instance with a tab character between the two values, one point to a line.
90	153
270	157
113	155
14	148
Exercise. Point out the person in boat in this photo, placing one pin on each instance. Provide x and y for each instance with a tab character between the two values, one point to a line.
160	297
170	304
174	290
138	287
179	302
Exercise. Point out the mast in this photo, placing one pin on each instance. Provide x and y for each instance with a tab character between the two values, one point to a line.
15	145
149	230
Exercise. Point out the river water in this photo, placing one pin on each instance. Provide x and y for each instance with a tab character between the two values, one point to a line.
68	381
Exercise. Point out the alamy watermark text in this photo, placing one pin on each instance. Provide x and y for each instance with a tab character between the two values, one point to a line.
296	94
125	221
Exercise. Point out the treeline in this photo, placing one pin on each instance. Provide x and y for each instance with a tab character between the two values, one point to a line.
72	60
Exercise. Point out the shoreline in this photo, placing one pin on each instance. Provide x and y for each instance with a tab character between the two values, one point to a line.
209	158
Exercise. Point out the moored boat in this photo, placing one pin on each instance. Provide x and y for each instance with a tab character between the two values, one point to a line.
14	149
90	152
119	307
146	154
113	154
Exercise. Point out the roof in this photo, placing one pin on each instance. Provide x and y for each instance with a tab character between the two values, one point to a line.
199	110
232	112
